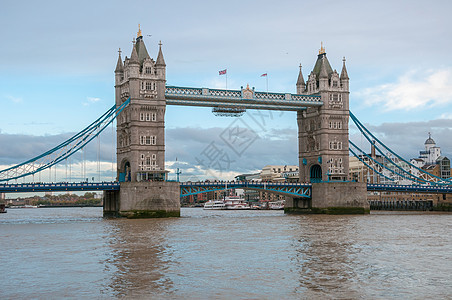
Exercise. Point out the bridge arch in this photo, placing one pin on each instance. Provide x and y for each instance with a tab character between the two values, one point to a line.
315	173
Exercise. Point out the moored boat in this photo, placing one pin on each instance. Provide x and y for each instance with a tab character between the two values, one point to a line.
215	204
235	202
276	205
2	209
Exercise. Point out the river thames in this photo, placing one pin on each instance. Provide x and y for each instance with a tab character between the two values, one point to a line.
54	253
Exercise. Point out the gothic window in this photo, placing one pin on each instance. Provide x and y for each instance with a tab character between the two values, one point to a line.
148	86
339	125
148	140
153	140
142	85
154	157
148	160
148	70
141	116
336	100
335	145
334	83
148	117
154	117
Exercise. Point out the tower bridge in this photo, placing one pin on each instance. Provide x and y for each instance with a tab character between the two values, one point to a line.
142	188
321	103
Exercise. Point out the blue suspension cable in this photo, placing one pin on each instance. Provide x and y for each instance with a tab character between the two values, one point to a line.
362	129
82	138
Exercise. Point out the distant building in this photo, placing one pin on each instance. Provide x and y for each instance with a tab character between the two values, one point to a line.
431	152
278	173
431	161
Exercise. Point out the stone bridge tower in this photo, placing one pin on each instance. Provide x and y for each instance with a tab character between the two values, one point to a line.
144	191
323	145
323	131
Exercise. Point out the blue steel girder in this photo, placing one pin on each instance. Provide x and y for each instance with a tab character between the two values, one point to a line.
287	189
58	187
245	98
433	189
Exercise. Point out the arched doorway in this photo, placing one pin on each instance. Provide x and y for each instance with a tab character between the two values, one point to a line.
316	173
125	173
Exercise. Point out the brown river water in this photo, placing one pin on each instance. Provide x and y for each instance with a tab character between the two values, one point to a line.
73	253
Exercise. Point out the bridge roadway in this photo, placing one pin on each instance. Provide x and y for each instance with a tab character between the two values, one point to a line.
191	188
242	99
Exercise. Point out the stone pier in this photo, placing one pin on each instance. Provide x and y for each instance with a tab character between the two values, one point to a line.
143	200
332	198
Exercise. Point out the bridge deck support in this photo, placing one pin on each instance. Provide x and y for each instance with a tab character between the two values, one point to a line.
333	198
157	199
111	203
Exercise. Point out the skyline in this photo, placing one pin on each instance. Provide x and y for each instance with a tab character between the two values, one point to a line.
397	57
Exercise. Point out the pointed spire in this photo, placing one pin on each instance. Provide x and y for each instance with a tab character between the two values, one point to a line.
139	32
119	65
344	74
323	72
300	80
134	55
322	49
160	61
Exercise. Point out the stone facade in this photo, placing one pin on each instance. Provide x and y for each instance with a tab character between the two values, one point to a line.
144	191
141	125
323	131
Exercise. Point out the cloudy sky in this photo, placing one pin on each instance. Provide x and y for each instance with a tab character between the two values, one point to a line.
58	59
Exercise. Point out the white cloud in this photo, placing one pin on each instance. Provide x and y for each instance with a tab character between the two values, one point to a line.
91	100
447	115
14	99
412	90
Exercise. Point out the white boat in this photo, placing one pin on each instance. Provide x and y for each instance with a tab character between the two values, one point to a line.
214	204
229	203
276	205
235	202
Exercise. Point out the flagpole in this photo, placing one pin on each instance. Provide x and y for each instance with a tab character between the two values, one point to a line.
266	78
226	79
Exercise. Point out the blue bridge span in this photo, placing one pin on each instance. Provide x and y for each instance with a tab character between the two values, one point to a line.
192	188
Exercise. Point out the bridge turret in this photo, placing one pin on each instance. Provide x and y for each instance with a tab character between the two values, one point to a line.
119	77
344	76
160	67
134	72
301	86
323	76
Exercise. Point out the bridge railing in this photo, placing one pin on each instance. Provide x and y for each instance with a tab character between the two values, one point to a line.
59	186
175	91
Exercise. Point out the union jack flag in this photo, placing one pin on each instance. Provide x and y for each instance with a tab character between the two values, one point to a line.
222	72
